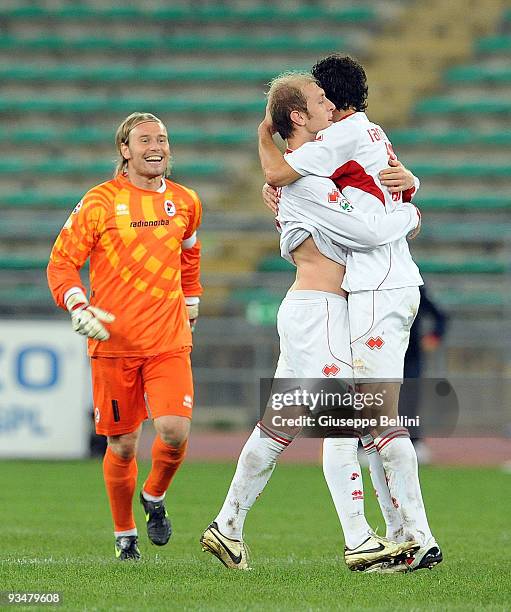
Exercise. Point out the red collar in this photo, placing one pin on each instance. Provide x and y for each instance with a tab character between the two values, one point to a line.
345	116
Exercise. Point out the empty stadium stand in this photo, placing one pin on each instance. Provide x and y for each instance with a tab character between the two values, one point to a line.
71	71
440	85
82	66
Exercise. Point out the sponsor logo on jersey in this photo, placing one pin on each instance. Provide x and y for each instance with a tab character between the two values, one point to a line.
357	494
77	207
335	197
354	476
187	401
122	209
330	370
373	343
154	223
170	208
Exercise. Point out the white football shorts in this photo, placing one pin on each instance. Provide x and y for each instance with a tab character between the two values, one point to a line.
314	336
380	323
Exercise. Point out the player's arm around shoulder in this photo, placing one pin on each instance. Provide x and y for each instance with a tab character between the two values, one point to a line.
329	153
397	178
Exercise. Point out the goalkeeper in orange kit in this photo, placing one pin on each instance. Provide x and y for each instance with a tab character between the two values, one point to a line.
139	231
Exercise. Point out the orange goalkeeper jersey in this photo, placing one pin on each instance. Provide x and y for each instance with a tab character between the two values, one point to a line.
144	258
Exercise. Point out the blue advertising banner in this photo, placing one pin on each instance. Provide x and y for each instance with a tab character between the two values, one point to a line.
44	390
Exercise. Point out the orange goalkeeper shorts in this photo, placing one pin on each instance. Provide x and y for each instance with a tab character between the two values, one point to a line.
128	390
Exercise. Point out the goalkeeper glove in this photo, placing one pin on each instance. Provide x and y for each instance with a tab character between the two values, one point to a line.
88	320
192	306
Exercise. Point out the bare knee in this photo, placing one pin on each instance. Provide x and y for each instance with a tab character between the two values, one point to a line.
173	431
125	445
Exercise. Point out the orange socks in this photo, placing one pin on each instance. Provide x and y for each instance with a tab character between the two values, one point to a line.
166	461
120	481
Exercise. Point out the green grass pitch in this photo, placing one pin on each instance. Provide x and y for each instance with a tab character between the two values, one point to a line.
56	536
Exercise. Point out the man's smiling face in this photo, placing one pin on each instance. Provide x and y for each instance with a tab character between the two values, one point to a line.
147	150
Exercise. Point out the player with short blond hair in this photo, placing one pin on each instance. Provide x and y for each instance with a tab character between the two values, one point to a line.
139	231
314	335
383	285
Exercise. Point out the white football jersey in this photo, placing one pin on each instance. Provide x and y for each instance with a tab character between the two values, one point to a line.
314	206
352	152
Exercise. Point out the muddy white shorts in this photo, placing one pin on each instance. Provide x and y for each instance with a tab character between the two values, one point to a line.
380	323
314	336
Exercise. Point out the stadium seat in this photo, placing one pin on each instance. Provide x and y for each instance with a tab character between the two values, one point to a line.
261	305
176	44
450	137
237	45
478	74
453	201
468	231
463	169
472	266
163	12
25	294
470	298
22	263
469	106
39	229
38	199
79	106
274	263
90	135
118	72
98	167
494	44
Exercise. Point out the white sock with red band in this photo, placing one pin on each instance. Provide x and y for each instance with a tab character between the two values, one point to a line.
255	466
344	479
392	516
400	465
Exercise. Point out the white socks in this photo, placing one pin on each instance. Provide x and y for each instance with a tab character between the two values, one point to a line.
152	498
344	478
391	514
400	465
255	466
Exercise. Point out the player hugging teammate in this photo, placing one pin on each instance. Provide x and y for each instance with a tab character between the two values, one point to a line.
335	258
